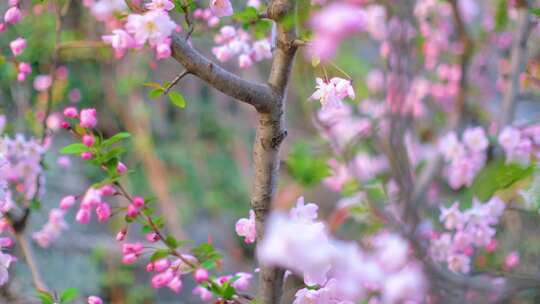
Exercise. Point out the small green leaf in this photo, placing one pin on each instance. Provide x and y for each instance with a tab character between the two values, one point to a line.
535	11
155	93
159	254
501	15
171	242
315	61
177	99
35	204
69	295
76	148
116	138
154	85
45	297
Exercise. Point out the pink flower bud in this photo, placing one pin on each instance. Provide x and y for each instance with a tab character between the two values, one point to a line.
67	201
12	15
65	125
121	235
2	27
86	155
492	246
88	140
13	2
132	211
25	67
42	83
138	201
83	216
201	275
88	118
21	77
244	61
511	260
163	51
70	112
121	168
162	279
152	237
107	190
150	267
6	242
161	264
103	212
94	300
17	46
175	284
129	258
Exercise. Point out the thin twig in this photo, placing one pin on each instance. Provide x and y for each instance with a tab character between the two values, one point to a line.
175	81
30	261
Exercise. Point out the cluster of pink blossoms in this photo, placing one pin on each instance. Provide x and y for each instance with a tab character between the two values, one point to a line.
470	229
154	27
237	42
52	230
12	16
21	170
520	144
343	272
465	159
339	20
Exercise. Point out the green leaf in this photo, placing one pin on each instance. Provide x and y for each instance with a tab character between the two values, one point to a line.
154	85
155	93
501	15
177	99
45	297
171	242
305	167
249	15
116	138
69	295
375	192
76	148
535	11
35	204
228	292
495	176
206	254
159	254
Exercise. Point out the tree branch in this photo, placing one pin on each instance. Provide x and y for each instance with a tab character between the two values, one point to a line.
517	61
258	95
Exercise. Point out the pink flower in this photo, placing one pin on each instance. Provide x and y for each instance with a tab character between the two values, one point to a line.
70	112
242	283
152	237
244	61
175	284
304	212
511	260
121	235
91	198
161	265
132	211
103	212
94	300
12	15
153	26
452	217
162	279
17	46
261	50
5	261
201	275
509	138
83	216
88	140
120	41
138	201
375	81
160	5
246	228
475	139
331	93
203	293
121	168
88	118
221	8
450	147
107	190
42	82
459	263
163	51
25	68
67	201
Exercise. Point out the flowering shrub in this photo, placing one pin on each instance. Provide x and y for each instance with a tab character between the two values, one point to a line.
417	103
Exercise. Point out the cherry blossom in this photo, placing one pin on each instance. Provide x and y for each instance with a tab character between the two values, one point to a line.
246	228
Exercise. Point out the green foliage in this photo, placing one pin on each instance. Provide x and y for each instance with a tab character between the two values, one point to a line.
501	15
177	99
45	297
160	254
76	148
207	255
69	295
306	167
66	296
494	177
